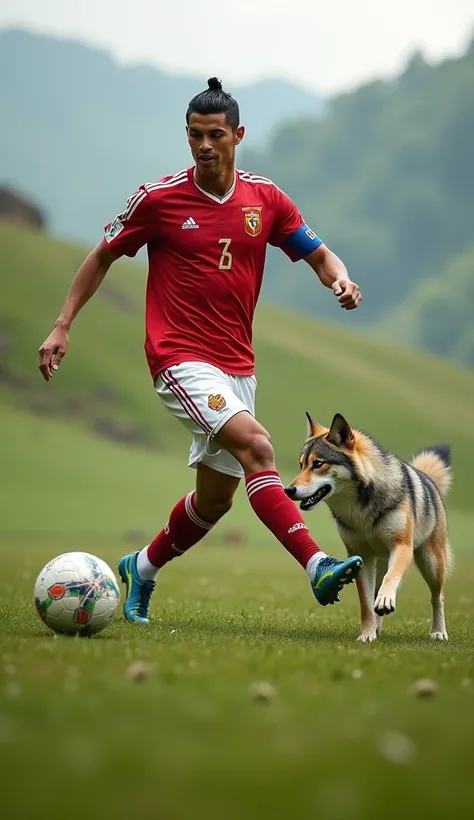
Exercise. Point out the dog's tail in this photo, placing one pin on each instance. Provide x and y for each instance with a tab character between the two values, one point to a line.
436	463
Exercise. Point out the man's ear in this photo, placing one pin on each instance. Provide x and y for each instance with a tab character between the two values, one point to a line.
239	134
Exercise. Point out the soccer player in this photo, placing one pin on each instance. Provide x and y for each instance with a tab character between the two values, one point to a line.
206	230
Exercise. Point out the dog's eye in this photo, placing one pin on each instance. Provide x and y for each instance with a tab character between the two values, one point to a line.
317	464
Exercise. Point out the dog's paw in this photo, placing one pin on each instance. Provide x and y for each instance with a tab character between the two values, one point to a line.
384	605
367	636
439	636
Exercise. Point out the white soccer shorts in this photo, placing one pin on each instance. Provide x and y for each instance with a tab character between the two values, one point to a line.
204	398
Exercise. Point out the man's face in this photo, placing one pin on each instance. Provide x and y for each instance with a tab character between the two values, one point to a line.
212	142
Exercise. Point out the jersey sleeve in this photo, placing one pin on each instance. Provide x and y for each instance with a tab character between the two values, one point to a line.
132	229
290	232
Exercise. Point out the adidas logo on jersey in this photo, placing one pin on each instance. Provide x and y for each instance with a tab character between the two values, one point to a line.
189	224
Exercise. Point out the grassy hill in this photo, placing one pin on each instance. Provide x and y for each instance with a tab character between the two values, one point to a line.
95	451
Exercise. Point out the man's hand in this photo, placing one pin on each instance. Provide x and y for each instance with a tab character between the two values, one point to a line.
333	274
52	351
83	286
348	293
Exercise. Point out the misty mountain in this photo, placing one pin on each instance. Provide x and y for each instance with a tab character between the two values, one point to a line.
80	131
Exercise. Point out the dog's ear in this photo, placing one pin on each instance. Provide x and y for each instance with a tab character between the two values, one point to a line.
340	432
314	428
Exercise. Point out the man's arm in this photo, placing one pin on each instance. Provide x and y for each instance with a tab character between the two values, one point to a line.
333	274
124	236
83	286
298	241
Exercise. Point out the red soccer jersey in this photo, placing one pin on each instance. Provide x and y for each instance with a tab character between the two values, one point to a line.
206	259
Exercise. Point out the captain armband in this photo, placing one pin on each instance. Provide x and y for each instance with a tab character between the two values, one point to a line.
303	241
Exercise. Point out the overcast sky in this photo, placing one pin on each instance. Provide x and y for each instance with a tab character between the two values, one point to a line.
322	44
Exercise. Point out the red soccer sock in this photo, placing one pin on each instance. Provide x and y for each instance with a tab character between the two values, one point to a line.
184	529
280	515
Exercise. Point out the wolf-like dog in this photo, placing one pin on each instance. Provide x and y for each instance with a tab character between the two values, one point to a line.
386	510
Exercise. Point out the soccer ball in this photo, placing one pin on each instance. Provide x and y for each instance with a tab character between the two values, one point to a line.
76	594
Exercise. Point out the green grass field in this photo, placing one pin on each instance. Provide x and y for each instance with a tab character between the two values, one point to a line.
93	462
343	737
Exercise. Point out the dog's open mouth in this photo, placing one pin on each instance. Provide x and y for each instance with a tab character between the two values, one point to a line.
320	494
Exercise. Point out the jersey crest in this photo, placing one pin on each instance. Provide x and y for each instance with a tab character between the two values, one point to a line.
253	220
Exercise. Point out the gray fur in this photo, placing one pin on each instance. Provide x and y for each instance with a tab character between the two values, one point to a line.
379	497
386	510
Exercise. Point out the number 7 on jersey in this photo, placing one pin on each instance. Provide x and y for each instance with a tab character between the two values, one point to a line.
225	262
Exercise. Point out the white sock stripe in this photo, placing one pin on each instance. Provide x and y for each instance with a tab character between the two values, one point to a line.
273	481
256	482
192	514
198	521
270	482
190	511
258	489
262	477
252	492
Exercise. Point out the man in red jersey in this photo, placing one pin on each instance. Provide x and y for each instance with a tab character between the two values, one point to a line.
206	230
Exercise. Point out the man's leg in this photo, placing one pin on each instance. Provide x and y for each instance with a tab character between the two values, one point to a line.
190	520
250	444
186	391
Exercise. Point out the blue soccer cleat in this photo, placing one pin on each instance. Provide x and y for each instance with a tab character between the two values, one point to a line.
138	592
332	575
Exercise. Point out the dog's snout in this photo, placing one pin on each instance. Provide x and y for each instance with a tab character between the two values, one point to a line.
290	491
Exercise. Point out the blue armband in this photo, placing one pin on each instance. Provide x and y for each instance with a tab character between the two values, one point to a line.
302	242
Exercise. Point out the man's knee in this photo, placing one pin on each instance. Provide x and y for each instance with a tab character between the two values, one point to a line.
248	442
257	453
